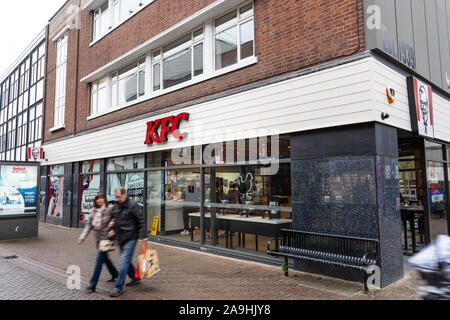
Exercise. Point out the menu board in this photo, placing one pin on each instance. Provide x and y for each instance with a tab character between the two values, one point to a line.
18	190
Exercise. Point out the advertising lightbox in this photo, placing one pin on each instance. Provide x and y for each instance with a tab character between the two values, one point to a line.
18	190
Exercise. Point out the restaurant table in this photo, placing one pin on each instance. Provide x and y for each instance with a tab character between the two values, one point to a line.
236	223
411	213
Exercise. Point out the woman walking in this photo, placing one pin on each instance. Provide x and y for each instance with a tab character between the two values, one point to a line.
99	220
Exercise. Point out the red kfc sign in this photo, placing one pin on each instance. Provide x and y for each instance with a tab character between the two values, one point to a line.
158	130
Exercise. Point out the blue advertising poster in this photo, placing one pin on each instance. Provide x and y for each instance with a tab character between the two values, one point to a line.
436	196
18	189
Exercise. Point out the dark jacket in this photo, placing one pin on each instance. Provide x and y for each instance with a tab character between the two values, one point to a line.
129	222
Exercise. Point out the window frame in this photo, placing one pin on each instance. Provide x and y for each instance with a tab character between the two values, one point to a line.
207	39
191	44
139	66
114	11
239	21
60	82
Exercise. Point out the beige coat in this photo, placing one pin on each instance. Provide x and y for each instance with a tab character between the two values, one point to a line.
103	232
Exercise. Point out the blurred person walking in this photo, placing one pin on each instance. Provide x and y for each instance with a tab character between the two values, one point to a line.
128	227
99	220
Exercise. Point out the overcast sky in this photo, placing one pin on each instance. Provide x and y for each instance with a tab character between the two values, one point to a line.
20	22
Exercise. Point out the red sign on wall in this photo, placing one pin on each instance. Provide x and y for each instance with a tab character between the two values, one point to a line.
35	154
421	107
158	130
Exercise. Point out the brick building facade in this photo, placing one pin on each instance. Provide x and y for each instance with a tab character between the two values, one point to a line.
189	105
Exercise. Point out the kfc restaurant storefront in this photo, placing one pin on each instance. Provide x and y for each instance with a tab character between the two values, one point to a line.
324	152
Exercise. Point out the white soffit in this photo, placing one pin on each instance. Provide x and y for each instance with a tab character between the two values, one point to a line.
93	4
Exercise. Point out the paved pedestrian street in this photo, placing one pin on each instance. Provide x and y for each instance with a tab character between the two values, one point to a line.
17	283
39	272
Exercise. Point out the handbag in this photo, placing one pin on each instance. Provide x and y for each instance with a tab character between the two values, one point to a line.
106	245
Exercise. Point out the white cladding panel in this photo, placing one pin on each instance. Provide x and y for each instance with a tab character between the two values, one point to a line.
385	77
343	95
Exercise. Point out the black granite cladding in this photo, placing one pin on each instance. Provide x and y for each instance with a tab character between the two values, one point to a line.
336	196
345	182
389	218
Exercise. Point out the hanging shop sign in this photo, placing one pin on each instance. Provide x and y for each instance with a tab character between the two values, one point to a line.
158	130
35	154
421	107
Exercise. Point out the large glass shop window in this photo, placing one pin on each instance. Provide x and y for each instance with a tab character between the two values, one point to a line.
90	187
56	191
182	198
133	182
436	189
250	205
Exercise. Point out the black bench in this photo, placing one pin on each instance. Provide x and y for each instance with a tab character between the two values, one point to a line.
346	252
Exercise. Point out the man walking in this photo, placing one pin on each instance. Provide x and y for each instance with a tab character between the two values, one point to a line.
128	226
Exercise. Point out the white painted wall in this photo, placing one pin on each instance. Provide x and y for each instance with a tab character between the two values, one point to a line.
383	77
347	94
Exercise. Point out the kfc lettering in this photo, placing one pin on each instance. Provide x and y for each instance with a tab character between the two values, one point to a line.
158	130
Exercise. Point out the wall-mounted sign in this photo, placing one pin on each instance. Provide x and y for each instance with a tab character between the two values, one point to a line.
421	107
158	130
35	154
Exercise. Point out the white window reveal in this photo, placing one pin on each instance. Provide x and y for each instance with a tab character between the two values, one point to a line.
234	36
60	88
179	61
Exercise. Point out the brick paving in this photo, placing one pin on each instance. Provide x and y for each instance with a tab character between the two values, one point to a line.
17	283
185	275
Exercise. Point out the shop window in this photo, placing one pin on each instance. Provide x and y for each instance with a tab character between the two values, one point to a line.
133	182
248	205
182	197
438	207
263	149
126	163
434	151
90	187
234	36
56	191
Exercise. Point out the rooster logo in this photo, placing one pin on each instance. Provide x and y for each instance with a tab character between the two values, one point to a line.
245	186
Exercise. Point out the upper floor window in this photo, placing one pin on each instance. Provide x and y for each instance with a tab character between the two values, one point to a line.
113	12
60	88
219	45
130	83
178	61
102	20
234	36
99	96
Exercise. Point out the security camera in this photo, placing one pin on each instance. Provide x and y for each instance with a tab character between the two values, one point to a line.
384	116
